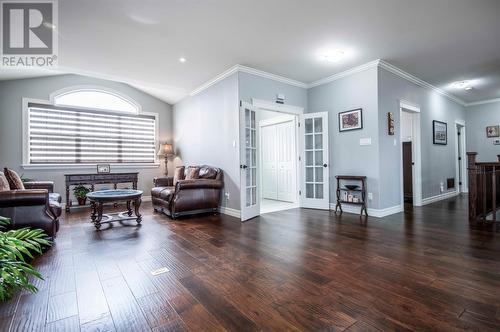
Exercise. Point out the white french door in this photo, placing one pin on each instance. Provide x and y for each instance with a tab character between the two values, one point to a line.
250	200
315	186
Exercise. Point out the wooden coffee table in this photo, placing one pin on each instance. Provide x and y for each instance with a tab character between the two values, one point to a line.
99	198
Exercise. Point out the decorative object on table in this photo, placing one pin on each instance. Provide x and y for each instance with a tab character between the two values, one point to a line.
15	247
345	196
440	132
93	179
351	120
103	168
390	123
166	151
493	131
80	193
496	142
99	198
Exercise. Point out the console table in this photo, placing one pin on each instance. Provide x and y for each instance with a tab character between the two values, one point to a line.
356	191
93	179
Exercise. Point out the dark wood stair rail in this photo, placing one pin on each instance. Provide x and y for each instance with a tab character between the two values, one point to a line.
484	190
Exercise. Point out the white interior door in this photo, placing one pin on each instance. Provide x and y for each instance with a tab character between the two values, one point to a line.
250	201
315	186
269	162
285	161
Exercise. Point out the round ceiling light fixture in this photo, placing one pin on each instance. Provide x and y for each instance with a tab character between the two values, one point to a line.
462	85
182	60
333	56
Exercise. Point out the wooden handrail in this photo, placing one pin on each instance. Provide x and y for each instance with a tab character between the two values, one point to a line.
484	189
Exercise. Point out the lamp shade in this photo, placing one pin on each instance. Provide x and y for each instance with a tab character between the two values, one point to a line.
166	150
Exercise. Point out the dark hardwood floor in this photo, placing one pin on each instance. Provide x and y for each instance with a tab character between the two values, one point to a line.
422	270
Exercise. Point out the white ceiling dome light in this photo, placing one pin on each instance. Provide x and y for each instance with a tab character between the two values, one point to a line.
333	55
462	85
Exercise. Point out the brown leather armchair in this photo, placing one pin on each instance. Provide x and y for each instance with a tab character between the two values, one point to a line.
193	196
35	207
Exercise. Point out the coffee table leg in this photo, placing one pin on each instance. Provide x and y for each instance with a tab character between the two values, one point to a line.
97	222
129	208
93	211
137	204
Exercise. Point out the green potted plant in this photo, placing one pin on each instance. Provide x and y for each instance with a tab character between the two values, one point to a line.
15	247
80	193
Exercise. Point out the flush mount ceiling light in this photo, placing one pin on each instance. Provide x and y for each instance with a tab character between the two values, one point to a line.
182	60
333	56
462	85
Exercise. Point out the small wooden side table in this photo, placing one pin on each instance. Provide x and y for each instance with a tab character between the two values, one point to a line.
360	190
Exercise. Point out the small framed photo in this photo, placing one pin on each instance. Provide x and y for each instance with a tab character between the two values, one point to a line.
390	124
440	132
103	168
493	131
351	120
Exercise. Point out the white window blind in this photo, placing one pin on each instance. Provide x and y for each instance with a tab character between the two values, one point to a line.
60	135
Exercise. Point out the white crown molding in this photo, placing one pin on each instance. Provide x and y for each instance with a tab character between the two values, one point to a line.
482	102
372	64
409	77
248	70
355	70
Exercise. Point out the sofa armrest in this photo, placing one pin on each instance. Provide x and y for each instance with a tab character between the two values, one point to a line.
164	182
47	185
199	184
15	198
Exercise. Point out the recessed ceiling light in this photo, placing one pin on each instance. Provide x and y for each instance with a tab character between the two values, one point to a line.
182	60
465	85
333	56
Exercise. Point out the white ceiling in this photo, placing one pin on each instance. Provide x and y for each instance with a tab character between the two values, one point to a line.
140	42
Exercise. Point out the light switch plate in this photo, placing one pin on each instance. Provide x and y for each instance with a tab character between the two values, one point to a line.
365	141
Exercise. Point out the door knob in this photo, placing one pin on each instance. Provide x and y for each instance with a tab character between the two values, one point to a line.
243	166
325	165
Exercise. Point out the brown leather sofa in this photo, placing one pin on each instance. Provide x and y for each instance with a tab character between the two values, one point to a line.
36	207
198	195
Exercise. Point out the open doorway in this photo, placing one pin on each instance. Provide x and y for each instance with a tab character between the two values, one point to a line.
410	156
460	156
278	162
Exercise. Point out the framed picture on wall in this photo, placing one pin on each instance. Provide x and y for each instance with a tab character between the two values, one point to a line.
493	131
351	120
440	132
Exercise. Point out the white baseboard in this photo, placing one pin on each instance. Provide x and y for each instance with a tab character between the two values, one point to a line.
230	212
439	197
376	213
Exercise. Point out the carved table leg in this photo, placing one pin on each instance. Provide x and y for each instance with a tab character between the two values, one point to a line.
97	222
129	208
137	204
93	211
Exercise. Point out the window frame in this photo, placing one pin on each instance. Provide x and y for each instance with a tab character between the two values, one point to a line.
26	137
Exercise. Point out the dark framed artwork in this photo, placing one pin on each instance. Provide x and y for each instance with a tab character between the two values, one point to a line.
390	124
440	132
351	120
492	131
103	168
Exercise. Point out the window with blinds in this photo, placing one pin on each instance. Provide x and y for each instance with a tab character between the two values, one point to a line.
59	135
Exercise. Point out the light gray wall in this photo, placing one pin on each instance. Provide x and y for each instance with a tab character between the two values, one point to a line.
11	94
437	160
251	86
206	132
478	118
347	157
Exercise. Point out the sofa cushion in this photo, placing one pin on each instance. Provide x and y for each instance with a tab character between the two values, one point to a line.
14	179
207	172
178	174
192	173
4	184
